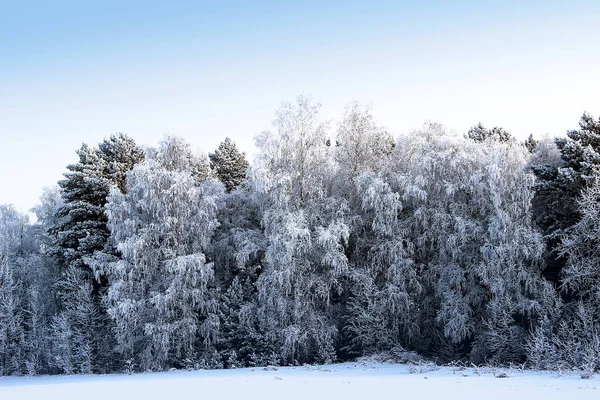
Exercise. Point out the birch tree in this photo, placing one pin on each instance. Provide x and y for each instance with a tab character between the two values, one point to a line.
160	296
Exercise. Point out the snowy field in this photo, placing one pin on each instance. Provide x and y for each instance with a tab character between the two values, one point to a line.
342	381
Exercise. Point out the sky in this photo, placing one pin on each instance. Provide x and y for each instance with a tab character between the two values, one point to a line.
78	71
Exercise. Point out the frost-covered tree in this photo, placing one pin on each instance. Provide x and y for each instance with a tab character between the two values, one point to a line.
81	229
362	147
480	133
81	225
559	186
545	153
241	341
562	185
456	262
119	154
196	163
74	331
11	314
361	144
229	164
81	233
237	251
291	163
68	339
160	297
26	300
582	272
381	308
530	143
574	341
305	230
239	242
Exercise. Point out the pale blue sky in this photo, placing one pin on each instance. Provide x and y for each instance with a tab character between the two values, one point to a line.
73	71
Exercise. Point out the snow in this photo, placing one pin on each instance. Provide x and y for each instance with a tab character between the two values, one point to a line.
343	381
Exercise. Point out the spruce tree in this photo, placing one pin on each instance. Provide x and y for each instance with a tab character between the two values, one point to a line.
229	164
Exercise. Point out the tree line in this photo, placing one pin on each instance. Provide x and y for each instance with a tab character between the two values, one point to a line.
332	244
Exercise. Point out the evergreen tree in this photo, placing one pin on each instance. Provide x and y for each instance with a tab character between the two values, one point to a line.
26	300
239	242
238	248
530	144
573	340
80	235
81	228
480	133
229	164
241	343
559	187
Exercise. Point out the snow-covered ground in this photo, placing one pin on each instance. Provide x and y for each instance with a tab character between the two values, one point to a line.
342	381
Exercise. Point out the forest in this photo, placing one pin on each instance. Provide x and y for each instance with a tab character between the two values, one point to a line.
331	244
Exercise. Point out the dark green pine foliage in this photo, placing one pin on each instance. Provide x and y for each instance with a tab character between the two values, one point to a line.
480	133
558	188
229	164
80	234
119	154
242	342
530	144
238	247
82	229
234	343
82	224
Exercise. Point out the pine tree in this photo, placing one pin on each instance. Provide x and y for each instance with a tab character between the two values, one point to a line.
480	133
81	228
237	250
530	144
229	164
80	235
581	279
559	187
239	242
573	339
240	344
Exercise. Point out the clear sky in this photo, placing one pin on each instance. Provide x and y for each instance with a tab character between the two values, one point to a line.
77	71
